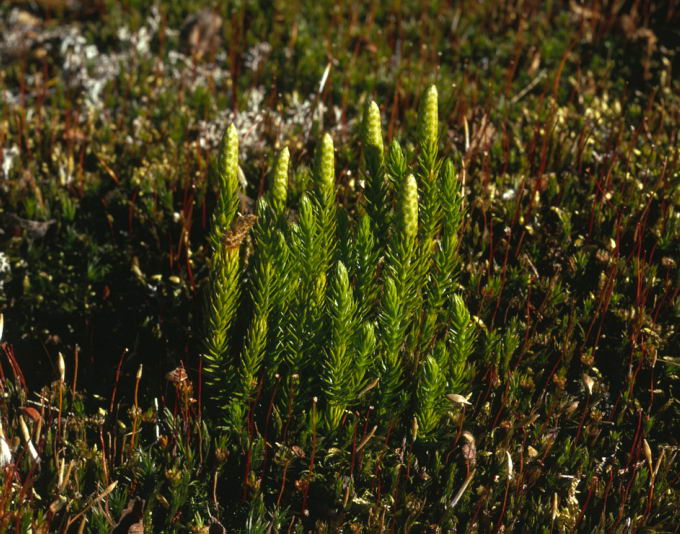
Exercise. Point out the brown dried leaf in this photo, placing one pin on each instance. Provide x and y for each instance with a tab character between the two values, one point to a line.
132	519
216	527
16	225
239	230
201	32
297	451
176	375
469	448
31	413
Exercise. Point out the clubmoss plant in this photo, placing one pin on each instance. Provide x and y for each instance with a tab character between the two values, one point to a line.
374	162
342	380
224	291
324	176
392	319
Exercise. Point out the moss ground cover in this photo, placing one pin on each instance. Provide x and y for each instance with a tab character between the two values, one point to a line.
313	266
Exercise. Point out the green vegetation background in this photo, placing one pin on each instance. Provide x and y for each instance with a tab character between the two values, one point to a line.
561	121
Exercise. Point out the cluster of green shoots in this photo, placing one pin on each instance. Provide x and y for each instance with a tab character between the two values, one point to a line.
347	308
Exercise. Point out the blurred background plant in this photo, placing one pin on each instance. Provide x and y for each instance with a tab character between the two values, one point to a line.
557	212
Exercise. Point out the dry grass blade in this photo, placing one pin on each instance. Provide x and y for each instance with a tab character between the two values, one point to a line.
92	502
